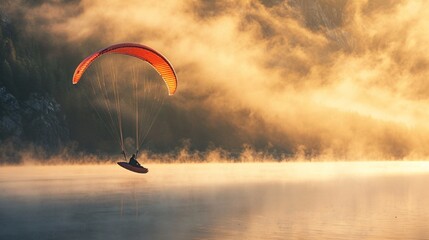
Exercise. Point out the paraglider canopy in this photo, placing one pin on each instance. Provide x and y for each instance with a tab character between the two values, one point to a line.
159	62
130	100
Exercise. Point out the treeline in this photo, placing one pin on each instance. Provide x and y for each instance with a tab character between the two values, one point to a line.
34	94
27	64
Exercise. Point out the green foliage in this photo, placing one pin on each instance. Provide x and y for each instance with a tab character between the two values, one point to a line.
6	74
24	66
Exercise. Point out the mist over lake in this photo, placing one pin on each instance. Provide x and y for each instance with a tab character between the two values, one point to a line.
324	200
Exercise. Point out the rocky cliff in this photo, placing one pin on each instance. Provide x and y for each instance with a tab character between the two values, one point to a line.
37	121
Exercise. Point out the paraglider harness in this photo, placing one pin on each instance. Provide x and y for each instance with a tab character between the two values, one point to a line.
133	160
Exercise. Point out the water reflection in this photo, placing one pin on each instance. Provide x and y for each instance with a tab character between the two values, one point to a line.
361	200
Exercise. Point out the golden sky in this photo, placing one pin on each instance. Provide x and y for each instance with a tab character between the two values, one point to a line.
326	79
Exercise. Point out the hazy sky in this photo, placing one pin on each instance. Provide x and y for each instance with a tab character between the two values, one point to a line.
328	78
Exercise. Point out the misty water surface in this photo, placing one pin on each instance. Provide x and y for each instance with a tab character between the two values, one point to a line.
359	200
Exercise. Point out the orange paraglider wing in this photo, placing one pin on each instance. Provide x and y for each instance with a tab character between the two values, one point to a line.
159	62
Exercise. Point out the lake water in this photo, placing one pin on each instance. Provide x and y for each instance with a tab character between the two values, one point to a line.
327	200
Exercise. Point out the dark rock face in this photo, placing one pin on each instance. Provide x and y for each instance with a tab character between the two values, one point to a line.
10	115
44	122
38	120
30	118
